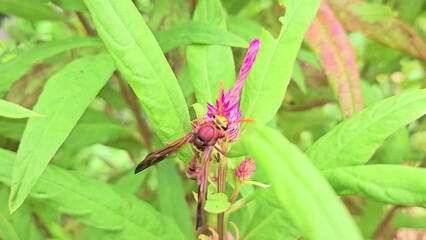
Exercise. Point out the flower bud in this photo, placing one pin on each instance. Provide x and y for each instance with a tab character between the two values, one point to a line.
245	170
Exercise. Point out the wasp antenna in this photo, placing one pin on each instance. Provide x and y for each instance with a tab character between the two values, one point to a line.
196	121
243	120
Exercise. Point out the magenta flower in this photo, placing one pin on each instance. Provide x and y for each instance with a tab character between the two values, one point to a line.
245	170
228	104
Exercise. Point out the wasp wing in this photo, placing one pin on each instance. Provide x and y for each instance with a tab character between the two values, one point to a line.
163	153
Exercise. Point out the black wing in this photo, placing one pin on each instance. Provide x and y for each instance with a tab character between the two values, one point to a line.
163	153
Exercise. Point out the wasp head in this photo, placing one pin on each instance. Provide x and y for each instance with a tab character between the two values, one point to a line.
221	122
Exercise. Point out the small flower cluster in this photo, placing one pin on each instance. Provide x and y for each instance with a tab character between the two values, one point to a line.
245	170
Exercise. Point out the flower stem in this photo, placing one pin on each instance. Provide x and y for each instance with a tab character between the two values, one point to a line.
221	186
234	194
131	99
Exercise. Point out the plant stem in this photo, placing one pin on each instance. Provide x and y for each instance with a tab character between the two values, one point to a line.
221	187
235	193
384	228
86	25
131	100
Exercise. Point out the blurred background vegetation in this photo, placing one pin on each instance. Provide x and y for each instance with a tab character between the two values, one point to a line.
377	48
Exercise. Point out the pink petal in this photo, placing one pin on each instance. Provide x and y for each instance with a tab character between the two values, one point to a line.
244	70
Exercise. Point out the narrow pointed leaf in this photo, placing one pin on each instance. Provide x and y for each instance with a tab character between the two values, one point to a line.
12	110
354	141
64	99
30	9
197	33
385	183
208	65
95	203
269	78
12	70
300	189
329	41
141	61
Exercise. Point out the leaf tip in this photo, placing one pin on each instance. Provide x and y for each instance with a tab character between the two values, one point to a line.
13	206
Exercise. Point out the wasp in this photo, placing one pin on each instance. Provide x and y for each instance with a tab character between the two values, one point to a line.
204	137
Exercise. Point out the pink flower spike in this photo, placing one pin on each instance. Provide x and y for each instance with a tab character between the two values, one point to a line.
227	104
244	71
245	170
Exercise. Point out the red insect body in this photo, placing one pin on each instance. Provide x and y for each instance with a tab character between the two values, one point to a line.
207	136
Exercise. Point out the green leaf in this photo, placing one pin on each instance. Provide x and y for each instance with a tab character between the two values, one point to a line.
96	203
385	183
131	184
96	127
6	227
299	188
12	128
244	27
71	5
30	9
409	10
12	70
208	65
269	221
354	141
395	149
140	60
217	203
23	223
272	70
48	218
370	217
64	99
197	33
371	12
170	187
199	109
12	110
94	233
299	78
404	219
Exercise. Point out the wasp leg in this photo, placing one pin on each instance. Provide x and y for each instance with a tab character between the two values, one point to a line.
191	168
219	150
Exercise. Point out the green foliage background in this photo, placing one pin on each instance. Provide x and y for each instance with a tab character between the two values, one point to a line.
88	88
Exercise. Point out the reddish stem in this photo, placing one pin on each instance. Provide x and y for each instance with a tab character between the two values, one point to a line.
234	194
86	26
221	186
131	100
